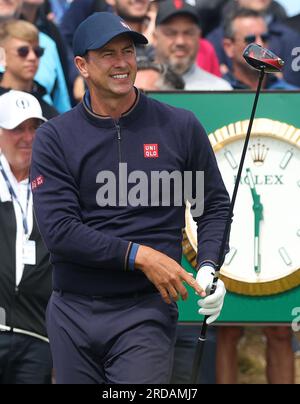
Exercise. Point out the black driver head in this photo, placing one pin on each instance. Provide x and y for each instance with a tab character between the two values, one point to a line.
262	59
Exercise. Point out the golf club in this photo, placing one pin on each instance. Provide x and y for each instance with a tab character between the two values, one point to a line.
264	61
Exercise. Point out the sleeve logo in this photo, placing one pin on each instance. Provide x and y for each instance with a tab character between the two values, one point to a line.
36	183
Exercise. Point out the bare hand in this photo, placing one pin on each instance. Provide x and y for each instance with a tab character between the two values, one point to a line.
165	273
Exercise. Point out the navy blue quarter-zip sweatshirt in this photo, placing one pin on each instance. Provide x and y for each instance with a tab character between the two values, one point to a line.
90	244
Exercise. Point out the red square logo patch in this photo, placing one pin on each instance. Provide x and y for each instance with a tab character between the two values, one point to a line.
37	182
151	151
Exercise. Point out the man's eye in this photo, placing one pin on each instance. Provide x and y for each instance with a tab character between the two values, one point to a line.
170	33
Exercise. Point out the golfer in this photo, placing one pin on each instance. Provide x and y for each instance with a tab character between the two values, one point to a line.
114	236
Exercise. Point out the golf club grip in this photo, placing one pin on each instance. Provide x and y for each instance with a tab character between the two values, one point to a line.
201	340
199	353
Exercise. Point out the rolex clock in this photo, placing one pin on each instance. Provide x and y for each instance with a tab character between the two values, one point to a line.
264	256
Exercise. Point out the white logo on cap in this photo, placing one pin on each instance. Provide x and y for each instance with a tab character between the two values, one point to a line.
125	25
22	103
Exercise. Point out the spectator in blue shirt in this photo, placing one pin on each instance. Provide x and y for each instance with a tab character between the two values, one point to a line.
58	8
50	74
35	12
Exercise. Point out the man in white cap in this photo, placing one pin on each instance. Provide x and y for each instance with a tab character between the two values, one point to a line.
25	272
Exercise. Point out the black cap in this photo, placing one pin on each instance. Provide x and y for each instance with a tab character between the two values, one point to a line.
100	28
171	8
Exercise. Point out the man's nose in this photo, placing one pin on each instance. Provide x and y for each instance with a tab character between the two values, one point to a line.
259	40
179	39
120	60
28	135
31	54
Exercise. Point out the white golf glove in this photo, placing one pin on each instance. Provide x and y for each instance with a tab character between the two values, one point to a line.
211	305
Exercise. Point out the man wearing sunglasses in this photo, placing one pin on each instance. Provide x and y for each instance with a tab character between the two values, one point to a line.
245	27
50	73
20	55
283	40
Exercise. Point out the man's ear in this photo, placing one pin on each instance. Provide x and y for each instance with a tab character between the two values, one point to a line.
81	65
2	57
228	47
154	38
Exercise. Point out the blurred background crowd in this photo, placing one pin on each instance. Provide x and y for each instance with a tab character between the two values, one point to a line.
198	40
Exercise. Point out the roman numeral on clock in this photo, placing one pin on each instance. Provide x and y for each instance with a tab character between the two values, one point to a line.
286	159
284	255
231	160
230	255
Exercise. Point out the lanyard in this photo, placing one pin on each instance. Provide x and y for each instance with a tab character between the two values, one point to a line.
14	196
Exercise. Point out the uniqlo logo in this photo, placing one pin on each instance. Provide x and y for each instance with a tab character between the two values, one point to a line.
37	182
151	151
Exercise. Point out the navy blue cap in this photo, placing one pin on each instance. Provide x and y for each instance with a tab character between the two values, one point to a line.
100	28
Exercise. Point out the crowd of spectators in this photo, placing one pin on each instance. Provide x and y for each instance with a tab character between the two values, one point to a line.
203	39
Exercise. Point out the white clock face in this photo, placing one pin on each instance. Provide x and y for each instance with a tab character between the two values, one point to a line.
264	258
265	235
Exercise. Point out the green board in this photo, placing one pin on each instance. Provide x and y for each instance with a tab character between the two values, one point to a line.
215	110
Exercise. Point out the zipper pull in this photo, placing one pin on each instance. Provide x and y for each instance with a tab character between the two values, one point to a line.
118	131
119	140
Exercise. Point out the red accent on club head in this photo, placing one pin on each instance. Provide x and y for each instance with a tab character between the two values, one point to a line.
277	63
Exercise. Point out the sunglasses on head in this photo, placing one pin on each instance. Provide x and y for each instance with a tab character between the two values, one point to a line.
23	51
252	38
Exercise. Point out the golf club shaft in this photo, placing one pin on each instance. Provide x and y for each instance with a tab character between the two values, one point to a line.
202	338
239	174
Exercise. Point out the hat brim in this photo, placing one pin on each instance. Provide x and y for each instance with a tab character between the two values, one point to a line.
163	19
15	124
136	37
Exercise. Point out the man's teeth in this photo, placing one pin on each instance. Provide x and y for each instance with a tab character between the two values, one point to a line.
120	76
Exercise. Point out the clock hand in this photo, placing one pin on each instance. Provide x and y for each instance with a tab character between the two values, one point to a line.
257	205
258	217
258	209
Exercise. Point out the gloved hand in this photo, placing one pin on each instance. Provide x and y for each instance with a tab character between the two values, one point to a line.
211	305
